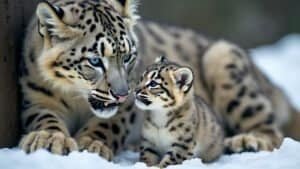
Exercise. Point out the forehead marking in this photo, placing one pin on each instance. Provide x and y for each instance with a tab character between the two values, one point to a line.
105	47
152	74
113	25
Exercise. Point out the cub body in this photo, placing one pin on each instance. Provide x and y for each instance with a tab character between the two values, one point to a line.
178	125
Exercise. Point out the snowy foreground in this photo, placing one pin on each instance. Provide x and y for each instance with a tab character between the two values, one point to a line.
287	157
280	61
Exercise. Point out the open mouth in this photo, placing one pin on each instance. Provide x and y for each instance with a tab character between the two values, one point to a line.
100	105
103	109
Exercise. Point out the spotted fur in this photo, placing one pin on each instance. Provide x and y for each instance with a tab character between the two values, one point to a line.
74	53
253	111
82	58
178	124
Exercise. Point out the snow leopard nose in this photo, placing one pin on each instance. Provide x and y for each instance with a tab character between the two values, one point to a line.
119	87
122	99
121	96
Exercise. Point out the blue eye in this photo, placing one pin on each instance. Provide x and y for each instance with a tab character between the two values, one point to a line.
153	83
95	61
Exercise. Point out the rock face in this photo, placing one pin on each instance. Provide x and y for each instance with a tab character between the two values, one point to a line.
13	18
249	23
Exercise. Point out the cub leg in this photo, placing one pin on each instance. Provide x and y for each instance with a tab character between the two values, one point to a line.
148	154
237	94
176	155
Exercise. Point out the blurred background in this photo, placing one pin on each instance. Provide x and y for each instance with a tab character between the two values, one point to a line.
247	22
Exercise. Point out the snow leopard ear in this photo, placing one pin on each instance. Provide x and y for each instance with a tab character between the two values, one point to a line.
51	22
127	8
183	78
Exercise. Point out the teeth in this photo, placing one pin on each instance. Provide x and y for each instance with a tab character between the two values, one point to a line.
109	103
112	101
94	92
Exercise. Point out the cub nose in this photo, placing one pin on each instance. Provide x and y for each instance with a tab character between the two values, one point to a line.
137	90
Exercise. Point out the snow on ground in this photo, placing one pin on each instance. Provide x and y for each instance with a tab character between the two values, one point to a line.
280	61
287	157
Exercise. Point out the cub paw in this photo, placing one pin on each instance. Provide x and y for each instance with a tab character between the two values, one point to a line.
247	143
55	142
149	159
95	146
166	161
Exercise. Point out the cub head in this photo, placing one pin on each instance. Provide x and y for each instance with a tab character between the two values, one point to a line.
164	86
88	46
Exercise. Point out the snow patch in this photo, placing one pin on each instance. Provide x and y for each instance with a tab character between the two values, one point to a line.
281	62
287	157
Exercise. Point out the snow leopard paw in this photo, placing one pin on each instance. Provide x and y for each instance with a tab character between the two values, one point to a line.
55	142
95	146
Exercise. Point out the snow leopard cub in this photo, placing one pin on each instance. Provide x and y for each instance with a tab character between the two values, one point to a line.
178	125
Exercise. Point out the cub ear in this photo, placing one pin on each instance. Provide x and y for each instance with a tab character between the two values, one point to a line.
51	22
127	8
183	78
161	59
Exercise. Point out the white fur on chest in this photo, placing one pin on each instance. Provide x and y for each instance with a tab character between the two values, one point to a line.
157	133
160	137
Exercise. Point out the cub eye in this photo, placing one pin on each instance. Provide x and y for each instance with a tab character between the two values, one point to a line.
153	83
95	61
126	58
